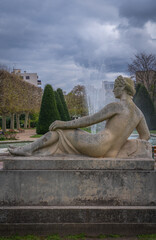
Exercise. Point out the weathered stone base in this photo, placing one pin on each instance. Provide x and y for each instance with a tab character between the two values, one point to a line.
75	163
72	220
81	195
78	214
94	229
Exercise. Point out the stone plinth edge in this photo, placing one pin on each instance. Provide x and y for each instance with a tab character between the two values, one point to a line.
74	163
73	220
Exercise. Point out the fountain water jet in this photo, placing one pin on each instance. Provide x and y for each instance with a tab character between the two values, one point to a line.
97	98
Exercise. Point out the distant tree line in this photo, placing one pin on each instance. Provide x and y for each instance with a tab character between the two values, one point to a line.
17	97
53	107
76	102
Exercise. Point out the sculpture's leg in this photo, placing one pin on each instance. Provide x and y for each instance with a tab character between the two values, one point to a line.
47	139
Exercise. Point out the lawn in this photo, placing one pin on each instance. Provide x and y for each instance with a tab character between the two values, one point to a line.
80	237
37	136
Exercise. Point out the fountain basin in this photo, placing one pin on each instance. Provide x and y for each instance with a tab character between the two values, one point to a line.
6	144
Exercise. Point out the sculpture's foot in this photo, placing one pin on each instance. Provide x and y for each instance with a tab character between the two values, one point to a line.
18	151
12	147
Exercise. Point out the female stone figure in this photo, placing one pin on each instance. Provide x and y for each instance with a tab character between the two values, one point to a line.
121	119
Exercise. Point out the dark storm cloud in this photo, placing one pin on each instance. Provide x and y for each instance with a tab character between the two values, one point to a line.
66	41
138	12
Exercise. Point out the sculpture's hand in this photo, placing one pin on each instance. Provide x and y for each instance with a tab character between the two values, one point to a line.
56	124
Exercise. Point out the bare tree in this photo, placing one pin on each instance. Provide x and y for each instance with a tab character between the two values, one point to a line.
143	68
4	67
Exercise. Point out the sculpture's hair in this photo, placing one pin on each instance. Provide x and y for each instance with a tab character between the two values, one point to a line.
127	83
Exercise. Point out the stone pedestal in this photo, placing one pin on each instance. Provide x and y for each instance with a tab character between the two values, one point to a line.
72	195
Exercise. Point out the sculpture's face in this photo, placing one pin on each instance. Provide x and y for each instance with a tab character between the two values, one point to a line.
118	90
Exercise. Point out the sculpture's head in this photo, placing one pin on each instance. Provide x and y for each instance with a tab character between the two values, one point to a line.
123	84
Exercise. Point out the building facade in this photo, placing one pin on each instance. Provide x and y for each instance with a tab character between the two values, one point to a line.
28	77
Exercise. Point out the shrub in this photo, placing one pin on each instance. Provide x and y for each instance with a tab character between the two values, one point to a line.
143	100
2	137
60	107
48	112
11	134
59	91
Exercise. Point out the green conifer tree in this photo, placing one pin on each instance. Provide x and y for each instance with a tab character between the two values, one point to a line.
59	91
48	112
143	101
60	107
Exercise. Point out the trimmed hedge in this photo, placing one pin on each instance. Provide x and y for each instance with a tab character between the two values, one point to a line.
60	93
143	101
48	112
60	107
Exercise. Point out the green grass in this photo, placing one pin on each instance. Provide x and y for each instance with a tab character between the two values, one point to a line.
114	236
81	236
10	139
153	131
37	136
17	237
147	237
53	237
102	236
87	129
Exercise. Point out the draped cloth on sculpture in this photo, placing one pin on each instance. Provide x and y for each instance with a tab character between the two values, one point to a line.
62	146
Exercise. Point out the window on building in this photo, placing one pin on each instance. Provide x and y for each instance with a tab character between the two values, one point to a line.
39	82
27	77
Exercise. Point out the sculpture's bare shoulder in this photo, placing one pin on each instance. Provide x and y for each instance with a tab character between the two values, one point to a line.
116	106
109	111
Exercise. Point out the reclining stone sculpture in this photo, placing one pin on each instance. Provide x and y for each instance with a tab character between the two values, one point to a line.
121	119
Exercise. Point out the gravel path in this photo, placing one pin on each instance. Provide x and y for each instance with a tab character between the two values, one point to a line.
25	136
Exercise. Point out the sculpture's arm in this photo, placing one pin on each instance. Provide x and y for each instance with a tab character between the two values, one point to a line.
142	129
107	112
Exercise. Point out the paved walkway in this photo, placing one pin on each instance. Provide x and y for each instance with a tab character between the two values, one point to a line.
26	135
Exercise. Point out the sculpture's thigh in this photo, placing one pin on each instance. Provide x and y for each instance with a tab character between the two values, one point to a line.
93	145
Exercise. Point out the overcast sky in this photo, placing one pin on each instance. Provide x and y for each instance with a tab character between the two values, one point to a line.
71	42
